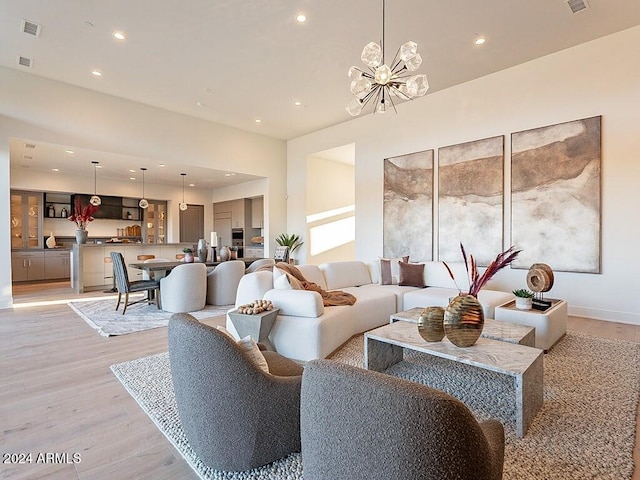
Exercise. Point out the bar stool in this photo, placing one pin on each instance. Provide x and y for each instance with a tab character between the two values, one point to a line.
179	256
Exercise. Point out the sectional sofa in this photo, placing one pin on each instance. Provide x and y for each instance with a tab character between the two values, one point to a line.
306	330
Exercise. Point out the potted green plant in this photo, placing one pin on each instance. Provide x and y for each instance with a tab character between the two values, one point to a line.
188	255
524	299
292	241
233	252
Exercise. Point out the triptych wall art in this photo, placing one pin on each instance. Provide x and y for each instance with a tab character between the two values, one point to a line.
555	199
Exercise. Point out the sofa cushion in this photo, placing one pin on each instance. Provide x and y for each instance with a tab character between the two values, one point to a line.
390	270
397	290
436	275
429	297
411	275
339	275
250	347
287	282
373	307
313	274
300	303
253	286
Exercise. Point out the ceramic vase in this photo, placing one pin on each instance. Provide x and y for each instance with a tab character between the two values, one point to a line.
51	241
524	303
202	250
224	254
463	320
81	236
431	324
233	254
188	257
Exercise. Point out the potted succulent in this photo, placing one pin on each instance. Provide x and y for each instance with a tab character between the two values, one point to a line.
524	299
233	253
188	255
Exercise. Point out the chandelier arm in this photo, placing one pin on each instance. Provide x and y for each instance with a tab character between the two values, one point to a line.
392	104
368	96
377	99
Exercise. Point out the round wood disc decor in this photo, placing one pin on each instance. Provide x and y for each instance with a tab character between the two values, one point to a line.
540	278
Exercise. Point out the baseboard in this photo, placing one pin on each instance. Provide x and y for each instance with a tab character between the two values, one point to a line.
608	315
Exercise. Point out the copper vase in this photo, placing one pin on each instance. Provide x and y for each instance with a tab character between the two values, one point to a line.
430	324
463	320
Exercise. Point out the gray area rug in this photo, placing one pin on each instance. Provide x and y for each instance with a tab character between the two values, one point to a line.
585	429
101	315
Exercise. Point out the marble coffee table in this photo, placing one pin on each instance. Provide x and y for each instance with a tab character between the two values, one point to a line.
383	347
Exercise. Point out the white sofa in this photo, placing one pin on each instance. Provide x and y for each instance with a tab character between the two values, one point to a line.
306	330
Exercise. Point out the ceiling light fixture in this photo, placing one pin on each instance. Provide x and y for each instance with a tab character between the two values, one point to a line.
258	120
96	73
119	35
70	152
143	201
301	18
381	82
95	200
183	206
479	40
297	103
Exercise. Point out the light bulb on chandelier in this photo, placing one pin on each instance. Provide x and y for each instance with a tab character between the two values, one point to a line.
143	202
381	82
95	200
183	206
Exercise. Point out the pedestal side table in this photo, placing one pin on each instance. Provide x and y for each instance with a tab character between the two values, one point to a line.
258	325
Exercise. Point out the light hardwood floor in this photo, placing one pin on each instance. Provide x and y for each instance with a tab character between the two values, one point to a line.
58	395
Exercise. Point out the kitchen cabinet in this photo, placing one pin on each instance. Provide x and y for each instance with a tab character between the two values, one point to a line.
240	213
154	225
56	264
257	212
57	205
27	266
26	220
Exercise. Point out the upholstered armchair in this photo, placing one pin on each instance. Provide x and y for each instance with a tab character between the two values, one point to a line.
235	415
184	289
263	262
222	282
357	424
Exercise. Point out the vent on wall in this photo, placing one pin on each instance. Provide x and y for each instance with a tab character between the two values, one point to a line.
30	28
25	62
577	5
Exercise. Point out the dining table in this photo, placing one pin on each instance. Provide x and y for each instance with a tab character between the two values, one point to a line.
154	268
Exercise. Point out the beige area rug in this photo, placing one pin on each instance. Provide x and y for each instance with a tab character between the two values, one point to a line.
101	315
585	429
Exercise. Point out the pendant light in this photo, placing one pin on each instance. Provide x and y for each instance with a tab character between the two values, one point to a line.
183	206
143	203
95	200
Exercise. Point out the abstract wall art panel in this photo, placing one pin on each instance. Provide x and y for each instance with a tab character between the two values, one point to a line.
555	196
408	206
470	199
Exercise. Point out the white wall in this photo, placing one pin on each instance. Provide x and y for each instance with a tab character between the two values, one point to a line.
330	186
43	110
601	77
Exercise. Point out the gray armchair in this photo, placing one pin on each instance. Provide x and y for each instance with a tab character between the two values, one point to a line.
235	415
358	424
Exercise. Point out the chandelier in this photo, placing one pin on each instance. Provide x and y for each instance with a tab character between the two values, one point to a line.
182	205
143	201
380	82
95	200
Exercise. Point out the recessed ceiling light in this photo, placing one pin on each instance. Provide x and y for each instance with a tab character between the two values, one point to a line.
119	35
301	18
200	104
132	178
132	171
55	169
97	73
479	40
192	184
70	152
258	120
207	89
297	103
230	174
161	165
98	166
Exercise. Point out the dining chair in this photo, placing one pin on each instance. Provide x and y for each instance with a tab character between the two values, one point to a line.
125	286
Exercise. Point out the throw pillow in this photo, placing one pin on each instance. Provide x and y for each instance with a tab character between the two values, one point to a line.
411	275
390	270
287	282
226	332
248	345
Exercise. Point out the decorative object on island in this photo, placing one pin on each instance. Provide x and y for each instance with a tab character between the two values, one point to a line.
292	241
64	213
214	245
143	201
203	250
524	298
224	253
431	324
182	205
51	211
233	253
381	82
81	217
188	255
51	241
539	280
95	199
464	317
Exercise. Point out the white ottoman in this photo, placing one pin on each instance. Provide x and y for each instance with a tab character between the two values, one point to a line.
550	325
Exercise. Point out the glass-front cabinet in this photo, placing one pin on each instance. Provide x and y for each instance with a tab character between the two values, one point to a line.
155	223
26	220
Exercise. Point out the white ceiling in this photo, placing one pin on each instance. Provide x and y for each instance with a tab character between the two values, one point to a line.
250	59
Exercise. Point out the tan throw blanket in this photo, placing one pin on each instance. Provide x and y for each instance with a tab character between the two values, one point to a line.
334	297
